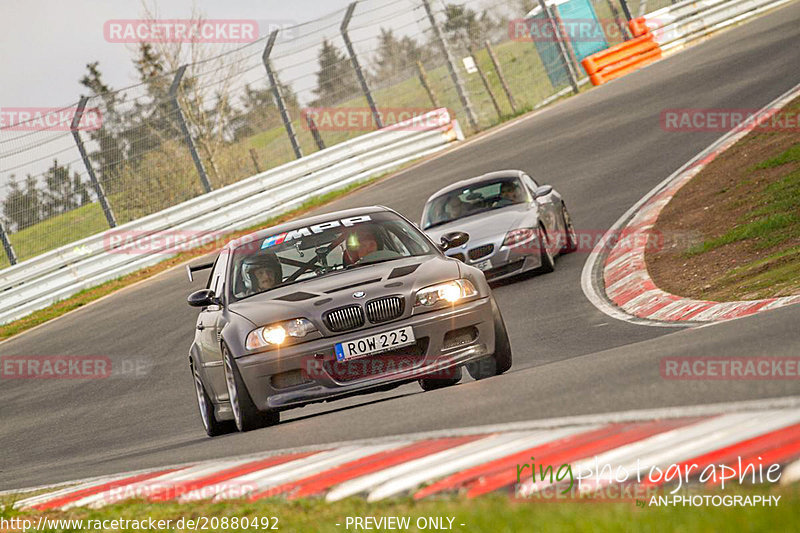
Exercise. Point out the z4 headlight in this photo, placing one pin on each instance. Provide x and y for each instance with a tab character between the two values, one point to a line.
277	334
450	292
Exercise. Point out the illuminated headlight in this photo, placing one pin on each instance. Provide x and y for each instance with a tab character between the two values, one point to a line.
276	334
450	292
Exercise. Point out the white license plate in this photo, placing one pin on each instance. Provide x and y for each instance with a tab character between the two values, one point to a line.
374	344
484	265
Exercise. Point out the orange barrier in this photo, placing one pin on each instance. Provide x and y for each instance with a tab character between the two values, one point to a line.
638	27
621	59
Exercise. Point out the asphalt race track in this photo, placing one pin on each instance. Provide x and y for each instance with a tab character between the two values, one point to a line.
602	150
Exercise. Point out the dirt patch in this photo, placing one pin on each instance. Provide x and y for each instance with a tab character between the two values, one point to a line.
743	212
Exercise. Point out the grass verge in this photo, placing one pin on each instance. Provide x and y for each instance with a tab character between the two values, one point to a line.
494	513
745	206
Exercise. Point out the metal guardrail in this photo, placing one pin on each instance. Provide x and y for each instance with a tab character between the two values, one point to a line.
680	23
53	276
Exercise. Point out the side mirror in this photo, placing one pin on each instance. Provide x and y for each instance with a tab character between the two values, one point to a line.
454	239
544	190
203	298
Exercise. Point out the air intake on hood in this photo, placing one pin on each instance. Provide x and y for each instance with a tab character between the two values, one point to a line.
403	271
297	296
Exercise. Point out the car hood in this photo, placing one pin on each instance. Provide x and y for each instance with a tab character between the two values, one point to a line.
485	226
311	298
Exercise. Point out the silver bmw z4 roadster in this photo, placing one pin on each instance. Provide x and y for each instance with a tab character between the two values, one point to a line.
514	224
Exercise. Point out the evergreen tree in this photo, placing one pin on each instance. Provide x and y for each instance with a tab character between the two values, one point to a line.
22	207
464	27
61	193
336	79
110	154
396	58
153	117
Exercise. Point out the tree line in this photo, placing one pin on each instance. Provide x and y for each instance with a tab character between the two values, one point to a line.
138	153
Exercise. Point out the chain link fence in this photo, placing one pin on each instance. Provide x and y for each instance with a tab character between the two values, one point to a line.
187	128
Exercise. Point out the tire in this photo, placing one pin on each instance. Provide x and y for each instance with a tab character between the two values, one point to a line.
245	413
571	240
500	361
212	426
429	384
546	256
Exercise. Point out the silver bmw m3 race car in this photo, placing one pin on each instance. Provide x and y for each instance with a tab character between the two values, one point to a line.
514	224
336	305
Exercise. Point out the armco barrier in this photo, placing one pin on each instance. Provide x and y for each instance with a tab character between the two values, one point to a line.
53	276
621	59
675	25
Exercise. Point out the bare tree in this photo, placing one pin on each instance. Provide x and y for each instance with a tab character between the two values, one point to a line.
205	94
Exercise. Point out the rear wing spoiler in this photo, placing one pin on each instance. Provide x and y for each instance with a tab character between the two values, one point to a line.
191	269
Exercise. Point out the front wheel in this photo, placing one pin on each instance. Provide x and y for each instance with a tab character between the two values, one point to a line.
500	361
245	413
212	426
548	264
571	238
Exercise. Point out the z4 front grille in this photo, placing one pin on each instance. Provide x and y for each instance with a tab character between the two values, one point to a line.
481	251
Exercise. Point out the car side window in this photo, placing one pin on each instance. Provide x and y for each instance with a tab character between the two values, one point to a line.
217	277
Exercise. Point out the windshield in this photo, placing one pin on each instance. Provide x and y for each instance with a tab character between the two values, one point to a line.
473	199
321	249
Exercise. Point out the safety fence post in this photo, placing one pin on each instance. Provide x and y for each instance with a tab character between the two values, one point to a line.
456	77
96	185
357	67
277	93
173	94
501	77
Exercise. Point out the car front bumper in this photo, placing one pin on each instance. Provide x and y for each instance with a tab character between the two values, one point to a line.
308	372
504	261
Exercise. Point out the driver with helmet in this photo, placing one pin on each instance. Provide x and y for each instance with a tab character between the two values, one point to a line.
261	271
